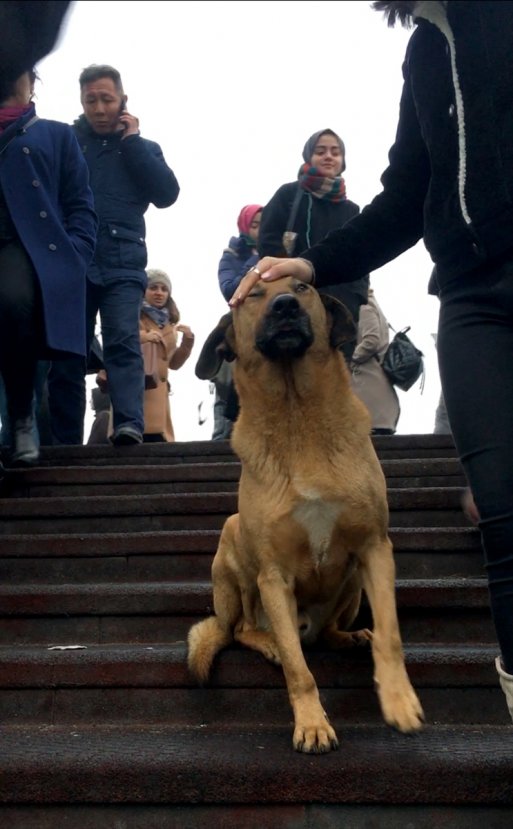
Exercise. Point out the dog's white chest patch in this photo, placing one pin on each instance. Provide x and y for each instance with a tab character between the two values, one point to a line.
318	518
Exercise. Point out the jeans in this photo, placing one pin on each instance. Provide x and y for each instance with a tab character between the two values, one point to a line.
37	403
475	353
119	303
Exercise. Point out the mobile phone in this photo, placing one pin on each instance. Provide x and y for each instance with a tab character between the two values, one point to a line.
122	109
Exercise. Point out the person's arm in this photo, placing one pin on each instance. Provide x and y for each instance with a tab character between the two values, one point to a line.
147	168
229	273
370	334
76	198
183	352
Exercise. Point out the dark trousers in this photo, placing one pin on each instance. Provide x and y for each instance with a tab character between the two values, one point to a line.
475	352
119	304
21	327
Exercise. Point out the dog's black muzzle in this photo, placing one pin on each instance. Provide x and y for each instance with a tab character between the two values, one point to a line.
285	331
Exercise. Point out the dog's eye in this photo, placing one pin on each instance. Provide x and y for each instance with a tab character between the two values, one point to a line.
301	287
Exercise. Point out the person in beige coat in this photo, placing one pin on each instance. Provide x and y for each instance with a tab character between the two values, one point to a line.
159	324
369	381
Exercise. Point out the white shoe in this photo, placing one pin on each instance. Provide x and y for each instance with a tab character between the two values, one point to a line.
506	681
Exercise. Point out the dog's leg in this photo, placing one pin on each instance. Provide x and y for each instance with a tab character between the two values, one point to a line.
399	703
247	632
312	732
335	635
337	640
261	641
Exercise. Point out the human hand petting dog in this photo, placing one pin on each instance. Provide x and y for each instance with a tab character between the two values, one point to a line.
269	269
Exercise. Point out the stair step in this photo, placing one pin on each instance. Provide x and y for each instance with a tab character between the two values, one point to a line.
215	764
164	666
442	610
119	480
256	816
432	506
412	539
137	684
208	451
187	555
153	598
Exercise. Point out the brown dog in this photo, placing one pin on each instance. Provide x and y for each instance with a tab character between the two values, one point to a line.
312	525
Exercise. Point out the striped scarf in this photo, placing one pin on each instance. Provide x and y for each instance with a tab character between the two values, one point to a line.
158	315
322	187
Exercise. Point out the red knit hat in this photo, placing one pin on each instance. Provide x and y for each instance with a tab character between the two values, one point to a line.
246	216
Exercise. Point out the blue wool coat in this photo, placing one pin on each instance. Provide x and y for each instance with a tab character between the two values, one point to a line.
45	183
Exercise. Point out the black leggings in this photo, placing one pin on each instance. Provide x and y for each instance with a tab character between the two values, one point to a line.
475	352
21	327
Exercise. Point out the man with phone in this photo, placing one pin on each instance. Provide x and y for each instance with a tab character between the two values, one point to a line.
127	174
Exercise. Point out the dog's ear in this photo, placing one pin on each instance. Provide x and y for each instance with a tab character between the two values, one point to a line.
343	326
219	346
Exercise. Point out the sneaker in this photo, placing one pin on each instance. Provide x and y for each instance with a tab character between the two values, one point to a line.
126	436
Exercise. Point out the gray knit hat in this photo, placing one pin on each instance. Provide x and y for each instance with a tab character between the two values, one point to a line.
155	275
312	142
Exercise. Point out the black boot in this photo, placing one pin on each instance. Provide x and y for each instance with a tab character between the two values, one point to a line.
25	448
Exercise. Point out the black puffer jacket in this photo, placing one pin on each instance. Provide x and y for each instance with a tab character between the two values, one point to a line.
314	219
126	176
450	176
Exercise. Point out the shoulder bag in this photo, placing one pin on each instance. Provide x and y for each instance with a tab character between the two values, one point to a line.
402	362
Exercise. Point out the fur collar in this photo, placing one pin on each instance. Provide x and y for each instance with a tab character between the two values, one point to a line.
403	10
394	11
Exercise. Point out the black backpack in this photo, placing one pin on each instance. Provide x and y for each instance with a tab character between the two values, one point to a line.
403	363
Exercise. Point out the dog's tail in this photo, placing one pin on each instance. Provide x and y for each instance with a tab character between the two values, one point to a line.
205	640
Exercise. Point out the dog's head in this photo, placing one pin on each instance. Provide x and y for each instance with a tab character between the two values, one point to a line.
280	320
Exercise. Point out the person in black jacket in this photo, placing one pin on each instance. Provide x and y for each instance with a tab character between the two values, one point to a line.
450	181
127	174
302	212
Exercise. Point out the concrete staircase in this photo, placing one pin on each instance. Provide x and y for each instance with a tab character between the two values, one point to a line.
104	565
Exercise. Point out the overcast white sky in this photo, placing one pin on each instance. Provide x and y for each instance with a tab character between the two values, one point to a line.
231	91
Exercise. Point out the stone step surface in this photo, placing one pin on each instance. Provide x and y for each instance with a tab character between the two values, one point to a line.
188	554
431	506
387	447
444	610
193	477
149	684
446	764
257	816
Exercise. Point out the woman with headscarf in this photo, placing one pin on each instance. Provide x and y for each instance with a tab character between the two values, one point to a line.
160	324
302	212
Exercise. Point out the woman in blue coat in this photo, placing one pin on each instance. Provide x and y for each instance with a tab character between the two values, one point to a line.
47	237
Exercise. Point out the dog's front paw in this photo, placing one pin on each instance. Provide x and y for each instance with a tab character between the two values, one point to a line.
401	708
315	739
